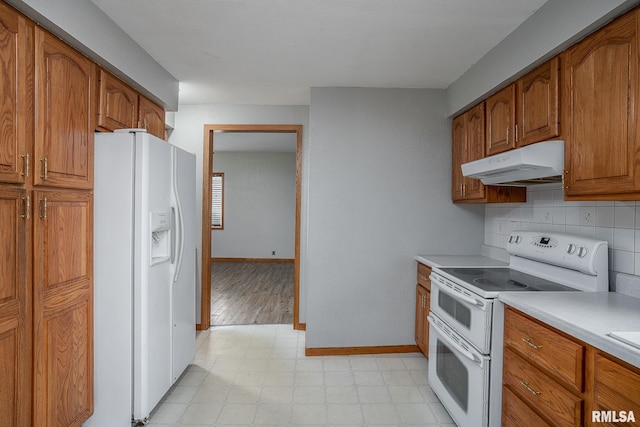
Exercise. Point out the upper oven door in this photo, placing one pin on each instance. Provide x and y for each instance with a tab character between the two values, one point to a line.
468	314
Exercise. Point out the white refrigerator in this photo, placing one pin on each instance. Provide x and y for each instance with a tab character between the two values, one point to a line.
145	273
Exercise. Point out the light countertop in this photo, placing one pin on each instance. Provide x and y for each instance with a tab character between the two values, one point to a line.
588	316
444	261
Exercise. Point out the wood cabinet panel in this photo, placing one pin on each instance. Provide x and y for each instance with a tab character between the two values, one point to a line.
151	117
423	301
601	80
555	353
117	104
617	388
64	112
516	413
458	145
537	108
63	310
16	94
15	310
541	392
500	121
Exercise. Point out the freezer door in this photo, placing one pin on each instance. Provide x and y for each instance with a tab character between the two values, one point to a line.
152	286
183	272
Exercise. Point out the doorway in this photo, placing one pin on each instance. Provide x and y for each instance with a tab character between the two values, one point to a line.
208	154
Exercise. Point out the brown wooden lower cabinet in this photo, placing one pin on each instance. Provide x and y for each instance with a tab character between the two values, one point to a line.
423	299
63	307
539	387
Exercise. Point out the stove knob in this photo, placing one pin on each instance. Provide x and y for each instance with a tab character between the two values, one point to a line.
511	238
571	248
518	239
582	251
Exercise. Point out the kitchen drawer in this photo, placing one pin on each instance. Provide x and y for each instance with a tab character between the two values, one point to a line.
516	413
617	388
545	348
423	276
541	392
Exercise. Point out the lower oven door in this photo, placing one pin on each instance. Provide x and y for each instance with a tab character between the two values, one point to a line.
458	374
467	313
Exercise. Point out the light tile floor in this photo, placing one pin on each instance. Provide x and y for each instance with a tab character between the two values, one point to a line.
258	375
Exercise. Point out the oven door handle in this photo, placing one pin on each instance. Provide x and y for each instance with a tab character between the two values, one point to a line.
475	359
458	295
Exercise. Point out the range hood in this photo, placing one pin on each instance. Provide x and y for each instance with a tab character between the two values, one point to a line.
538	163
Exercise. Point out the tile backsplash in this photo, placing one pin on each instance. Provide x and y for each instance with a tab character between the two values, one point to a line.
616	222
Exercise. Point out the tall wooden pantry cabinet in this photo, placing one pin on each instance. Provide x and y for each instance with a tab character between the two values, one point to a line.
46	225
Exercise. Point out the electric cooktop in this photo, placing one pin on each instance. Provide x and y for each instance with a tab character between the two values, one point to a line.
500	279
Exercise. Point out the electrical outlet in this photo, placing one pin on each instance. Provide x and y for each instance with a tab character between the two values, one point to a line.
273	252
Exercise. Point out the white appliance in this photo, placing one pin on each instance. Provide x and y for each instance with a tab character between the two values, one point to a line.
537	163
467	320
145	273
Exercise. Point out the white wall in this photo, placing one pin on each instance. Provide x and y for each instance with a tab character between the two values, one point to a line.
551	29
379	193
259	205
84	26
618	223
189	135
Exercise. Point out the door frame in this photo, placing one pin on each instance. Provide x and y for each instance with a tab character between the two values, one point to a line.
208	152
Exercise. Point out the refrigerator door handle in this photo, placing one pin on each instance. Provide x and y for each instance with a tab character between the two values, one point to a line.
179	223
173	235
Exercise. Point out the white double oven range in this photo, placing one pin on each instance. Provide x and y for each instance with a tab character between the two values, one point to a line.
467	320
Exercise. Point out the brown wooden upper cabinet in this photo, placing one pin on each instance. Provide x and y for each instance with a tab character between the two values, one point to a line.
601	82
16	95
537	111
151	117
525	111
117	104
64	90
501	117
468	144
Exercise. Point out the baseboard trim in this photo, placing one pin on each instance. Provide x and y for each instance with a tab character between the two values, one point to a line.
347	351
252	260
300	327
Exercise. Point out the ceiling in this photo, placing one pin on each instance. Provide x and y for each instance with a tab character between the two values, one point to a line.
271	52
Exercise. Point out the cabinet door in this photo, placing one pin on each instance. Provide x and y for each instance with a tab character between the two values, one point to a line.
473	188
151	117
16	94
15	348
459	144
64	114
117	105
422	309
537	109
63	307
500	115
601	83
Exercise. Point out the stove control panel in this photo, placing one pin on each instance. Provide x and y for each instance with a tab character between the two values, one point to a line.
563	250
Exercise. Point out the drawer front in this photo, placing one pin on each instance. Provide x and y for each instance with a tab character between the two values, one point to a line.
423	276
545	348
616	388
516	413
541	392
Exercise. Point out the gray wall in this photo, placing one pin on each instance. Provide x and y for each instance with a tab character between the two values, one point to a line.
84	26
259	205
551	29
379	193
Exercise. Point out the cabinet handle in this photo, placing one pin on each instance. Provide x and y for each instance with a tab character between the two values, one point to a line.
43	215
564	179
26	165
529	389
424	301
516	132
531	344
45	168
508	143
27	207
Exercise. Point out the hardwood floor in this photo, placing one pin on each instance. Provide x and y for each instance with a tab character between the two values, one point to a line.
251	292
